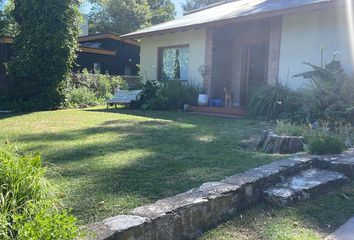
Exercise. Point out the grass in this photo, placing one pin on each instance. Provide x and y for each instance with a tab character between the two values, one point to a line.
107	162
310	220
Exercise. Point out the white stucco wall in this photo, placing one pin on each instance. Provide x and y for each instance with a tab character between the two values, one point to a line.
196	39
304	34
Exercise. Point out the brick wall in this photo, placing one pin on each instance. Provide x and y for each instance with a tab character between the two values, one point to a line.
274	49
232	37
207	84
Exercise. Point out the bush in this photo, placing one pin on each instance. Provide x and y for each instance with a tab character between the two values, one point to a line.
49	225
166	95
273	102
88	89
289	129
29	208
43	52
94	81
82	96
322	144
330	95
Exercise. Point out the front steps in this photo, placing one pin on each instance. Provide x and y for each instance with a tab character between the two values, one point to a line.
303	185
234	112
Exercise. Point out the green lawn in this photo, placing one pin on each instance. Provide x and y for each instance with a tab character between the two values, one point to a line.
309	220
107	162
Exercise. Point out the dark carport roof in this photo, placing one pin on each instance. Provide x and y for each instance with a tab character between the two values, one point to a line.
237	10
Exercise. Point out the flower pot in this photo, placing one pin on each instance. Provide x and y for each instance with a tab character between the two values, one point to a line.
203	100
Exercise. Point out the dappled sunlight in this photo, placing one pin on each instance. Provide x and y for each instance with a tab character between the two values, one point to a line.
108	162
205	138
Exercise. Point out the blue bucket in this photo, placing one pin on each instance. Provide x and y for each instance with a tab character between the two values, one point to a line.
216	102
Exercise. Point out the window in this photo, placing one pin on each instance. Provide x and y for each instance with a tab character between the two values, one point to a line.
97	67
127	70
174	63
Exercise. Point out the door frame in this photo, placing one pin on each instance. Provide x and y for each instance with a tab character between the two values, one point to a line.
245	68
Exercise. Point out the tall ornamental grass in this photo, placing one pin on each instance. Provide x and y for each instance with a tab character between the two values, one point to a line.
29	207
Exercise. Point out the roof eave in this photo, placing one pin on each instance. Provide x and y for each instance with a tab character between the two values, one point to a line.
274	13
108	35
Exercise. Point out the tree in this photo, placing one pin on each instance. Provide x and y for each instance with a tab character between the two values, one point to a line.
43	51
195	4
124	16
8	25
162	11
2	22
120	16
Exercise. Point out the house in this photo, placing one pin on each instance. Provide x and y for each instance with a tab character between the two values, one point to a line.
5	53
245	43
108	53
104	53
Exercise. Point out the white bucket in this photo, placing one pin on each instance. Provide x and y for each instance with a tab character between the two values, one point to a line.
203	100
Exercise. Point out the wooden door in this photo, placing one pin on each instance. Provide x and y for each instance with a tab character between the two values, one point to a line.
254	68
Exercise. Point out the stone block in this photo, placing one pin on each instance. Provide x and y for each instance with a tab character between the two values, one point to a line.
273	143
122	227
307	183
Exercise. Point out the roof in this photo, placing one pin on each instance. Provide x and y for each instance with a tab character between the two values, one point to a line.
109	35
9	40
100	51
6	40
236	10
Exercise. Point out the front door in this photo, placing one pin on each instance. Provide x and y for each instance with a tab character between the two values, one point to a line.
254	68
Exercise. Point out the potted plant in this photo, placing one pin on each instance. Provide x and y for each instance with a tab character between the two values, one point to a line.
203	98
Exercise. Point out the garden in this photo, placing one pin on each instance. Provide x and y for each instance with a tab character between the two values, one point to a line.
67	161
88	163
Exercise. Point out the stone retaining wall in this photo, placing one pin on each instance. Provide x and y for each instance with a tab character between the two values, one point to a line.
187	215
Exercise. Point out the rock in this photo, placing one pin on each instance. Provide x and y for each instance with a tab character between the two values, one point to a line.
348	143
273	143
250	143
262	139
303	186
118	227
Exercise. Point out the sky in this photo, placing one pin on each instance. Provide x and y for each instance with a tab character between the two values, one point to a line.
86	7
178	6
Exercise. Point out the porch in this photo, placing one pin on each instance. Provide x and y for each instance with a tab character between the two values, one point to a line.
234	112
241	57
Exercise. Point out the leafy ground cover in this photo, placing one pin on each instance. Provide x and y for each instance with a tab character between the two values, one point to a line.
107	162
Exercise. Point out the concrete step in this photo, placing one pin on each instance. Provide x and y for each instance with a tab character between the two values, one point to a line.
304	185
345	232
217	110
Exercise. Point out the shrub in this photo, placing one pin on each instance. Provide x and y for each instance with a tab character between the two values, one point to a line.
103	88
29	208
82	96
49	225
166	95
43	52
273	102
330	94
322	144
97	82
290	129
88	89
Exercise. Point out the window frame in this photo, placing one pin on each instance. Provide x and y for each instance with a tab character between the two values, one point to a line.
160	60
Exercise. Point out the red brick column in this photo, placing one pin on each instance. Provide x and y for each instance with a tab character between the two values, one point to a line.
207	84
274	49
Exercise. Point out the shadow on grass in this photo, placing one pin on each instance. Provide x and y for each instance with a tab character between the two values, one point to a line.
11	115
129	162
